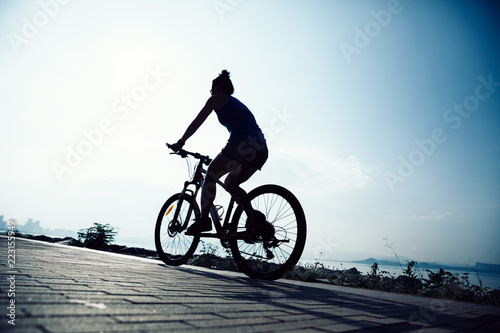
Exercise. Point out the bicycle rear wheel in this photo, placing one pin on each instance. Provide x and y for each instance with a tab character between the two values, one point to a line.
270	259
173	246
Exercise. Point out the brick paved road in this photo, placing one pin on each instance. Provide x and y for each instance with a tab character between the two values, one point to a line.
66	289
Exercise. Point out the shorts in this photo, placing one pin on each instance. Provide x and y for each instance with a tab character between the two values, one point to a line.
248	152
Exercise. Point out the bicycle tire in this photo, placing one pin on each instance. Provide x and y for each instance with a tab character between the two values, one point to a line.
285	212
175	248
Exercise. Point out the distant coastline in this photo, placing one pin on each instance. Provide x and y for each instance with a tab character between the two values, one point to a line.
478	266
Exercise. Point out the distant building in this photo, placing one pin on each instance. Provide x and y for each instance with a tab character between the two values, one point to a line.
32	227
35	228
490	268
3	224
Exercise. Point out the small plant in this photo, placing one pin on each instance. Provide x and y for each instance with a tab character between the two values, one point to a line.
97	236
410	270
390	245
408	282
375	269
374	277
208	248
477	274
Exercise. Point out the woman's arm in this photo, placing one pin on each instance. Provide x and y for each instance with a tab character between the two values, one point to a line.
193	127
213	103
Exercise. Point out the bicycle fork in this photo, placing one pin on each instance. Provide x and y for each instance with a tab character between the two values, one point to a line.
177	225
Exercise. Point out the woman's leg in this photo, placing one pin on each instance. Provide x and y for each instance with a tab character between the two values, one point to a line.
219	167
243	173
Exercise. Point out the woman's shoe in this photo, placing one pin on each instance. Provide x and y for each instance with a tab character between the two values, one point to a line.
203	224
258	225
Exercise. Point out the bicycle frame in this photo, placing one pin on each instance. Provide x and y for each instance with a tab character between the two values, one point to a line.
197	181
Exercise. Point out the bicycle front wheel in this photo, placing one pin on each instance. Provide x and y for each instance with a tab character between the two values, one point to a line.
173	246
264	258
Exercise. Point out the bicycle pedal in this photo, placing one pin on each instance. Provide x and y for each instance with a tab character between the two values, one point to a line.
269	254
224	240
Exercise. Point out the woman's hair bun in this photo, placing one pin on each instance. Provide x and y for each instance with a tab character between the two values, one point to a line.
224	82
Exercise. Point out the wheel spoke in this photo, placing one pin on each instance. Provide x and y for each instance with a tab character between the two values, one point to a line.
283	211
174	247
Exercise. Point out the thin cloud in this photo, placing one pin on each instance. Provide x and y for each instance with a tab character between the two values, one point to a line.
315	172
436	216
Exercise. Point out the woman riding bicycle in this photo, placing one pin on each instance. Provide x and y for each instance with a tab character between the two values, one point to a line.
245	151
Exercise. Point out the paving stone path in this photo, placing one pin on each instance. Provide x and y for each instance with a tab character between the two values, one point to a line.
66	289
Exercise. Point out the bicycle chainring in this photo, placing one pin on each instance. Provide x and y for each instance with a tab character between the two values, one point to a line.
174	227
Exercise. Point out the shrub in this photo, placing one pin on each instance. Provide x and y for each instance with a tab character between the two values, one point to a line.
97	236
309	272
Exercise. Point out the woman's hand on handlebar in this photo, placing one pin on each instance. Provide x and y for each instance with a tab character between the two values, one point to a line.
176	146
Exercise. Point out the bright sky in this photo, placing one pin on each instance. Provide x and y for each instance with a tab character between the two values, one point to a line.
381	116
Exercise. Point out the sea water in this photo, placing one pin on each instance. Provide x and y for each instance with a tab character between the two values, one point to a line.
489	280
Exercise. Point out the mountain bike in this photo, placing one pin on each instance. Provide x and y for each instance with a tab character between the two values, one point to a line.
266	233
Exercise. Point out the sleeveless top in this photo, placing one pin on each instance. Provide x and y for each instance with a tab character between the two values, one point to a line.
239	121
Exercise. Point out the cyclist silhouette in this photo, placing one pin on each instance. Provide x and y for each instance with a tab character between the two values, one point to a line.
245	151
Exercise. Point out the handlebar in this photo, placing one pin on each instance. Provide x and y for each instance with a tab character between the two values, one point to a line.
184	153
